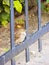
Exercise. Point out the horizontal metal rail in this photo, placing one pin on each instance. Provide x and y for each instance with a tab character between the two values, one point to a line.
29	41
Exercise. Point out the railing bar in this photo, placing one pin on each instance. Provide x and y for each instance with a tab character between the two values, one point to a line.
17	49
12	29
2	61
39	25
26	15
26	24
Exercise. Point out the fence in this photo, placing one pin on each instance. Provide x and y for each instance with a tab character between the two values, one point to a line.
15	50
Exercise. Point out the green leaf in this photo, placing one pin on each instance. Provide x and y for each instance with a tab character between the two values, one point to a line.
7	9
0	18
22	1
47	9
42	6
4	15
6	2
0	9
47	1
20	21
4	23
5	49
18	6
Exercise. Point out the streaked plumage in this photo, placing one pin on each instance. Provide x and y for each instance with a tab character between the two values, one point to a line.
20	36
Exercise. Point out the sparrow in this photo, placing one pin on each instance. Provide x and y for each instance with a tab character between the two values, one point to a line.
20	36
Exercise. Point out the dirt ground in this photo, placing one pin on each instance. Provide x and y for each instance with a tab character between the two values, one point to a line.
36	58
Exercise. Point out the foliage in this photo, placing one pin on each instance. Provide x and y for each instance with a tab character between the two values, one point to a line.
47	1
5	10
20	21
45	6
18	6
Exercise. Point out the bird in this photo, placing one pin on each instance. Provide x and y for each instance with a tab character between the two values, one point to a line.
20	36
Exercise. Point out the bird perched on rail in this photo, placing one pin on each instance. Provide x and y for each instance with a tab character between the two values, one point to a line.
20	36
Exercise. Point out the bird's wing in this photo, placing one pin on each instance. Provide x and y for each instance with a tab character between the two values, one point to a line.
17	35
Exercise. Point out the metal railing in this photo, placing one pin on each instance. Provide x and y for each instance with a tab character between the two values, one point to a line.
15	50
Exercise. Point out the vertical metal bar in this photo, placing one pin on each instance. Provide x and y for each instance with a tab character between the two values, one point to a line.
26	18
39	24
27	54
12	28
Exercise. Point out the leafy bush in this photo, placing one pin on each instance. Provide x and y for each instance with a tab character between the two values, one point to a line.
45	6
5	10
18	6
